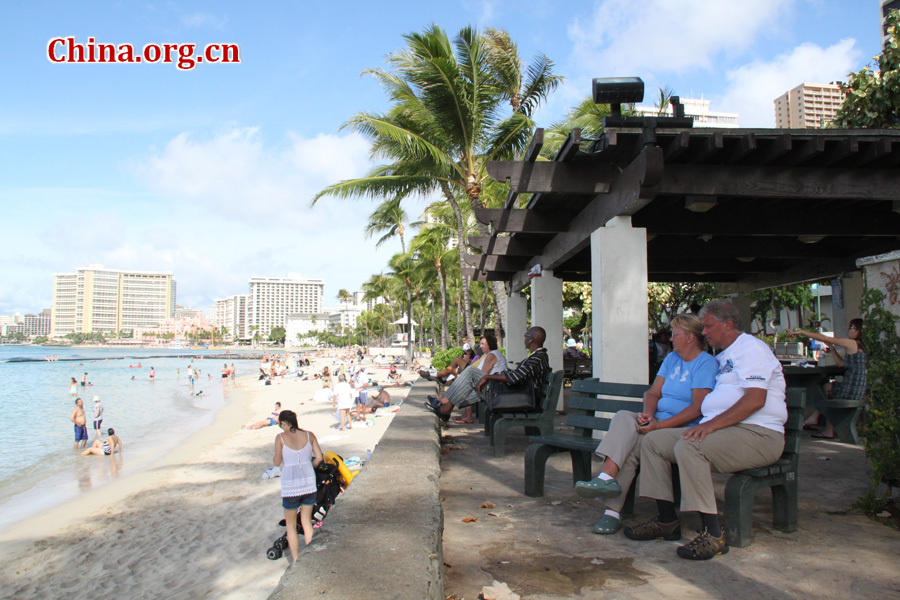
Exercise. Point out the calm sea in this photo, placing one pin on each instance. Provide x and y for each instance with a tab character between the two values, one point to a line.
38	466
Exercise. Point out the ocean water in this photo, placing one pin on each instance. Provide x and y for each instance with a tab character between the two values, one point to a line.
38	466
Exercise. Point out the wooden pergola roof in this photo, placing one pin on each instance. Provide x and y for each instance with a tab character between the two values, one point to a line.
747	207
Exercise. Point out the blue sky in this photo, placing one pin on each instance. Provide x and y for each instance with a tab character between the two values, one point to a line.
208	172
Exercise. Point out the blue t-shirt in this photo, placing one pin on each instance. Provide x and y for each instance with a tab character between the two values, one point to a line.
682	378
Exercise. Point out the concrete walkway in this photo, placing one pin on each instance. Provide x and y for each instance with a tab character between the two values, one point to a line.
543	548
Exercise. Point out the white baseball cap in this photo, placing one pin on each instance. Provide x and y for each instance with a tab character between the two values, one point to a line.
570	343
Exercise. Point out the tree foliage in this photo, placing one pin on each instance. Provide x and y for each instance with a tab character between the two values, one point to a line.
773	300
872	98
666	300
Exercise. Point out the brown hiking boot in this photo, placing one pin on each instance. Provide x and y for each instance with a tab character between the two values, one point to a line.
704	547
654	530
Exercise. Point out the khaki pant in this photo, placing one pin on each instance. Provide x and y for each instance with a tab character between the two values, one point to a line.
622	445
724	451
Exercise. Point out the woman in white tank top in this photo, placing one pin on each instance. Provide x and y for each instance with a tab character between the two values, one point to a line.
297	452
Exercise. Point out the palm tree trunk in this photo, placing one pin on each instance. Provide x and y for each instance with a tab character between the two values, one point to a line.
445	331
460	237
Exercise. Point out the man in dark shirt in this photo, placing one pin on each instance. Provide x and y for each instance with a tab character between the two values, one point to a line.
530	372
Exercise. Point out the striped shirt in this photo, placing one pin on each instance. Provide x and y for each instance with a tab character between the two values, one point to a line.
532	369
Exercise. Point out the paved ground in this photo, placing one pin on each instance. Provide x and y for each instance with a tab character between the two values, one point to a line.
543	548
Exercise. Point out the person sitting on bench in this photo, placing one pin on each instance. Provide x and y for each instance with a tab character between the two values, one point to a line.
466	389
686	376
742	428
452	370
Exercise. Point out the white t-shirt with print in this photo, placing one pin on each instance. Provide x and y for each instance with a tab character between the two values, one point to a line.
748	363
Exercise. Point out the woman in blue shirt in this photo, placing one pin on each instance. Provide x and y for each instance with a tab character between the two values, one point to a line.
686	376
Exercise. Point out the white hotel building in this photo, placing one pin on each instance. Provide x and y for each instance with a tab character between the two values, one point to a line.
96	298
231	313
272	299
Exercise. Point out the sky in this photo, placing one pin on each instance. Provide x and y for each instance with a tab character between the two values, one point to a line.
208	172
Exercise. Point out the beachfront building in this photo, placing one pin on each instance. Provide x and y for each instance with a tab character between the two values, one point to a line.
272	299
698	108
98	299
187	312
808	106
301	327
174	330
38	324
231	313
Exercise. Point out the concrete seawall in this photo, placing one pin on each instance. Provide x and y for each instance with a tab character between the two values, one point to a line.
383	537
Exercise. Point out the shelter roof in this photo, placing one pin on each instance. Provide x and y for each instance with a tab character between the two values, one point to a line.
747	207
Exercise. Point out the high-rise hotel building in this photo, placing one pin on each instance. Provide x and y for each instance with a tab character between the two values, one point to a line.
808	106
231	313
95	298
272	299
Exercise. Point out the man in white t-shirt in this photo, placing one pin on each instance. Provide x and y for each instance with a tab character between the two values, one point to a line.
742	428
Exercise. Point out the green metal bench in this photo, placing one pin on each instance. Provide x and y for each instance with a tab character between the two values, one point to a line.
497	425
781	476
587	399
592	396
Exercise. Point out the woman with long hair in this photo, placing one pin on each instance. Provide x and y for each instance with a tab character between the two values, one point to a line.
298	454
853	385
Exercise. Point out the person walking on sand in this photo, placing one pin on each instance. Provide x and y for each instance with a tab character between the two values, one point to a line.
298	454
77	417
343	401
98	416
107	447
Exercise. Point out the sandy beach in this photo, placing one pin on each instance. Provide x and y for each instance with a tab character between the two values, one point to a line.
196	523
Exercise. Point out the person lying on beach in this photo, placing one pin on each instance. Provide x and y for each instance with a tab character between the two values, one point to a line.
107	447
268	421
298	454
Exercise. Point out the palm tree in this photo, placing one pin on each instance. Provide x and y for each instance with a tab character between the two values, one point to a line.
431	245
389	218
402	269
445	122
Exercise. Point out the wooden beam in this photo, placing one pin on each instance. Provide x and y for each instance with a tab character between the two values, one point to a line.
545	176
805	272
781	182
743	146
521	220
476	275
492	262
508	246
774	149
789	224
570	146
534	148
766	247
631	190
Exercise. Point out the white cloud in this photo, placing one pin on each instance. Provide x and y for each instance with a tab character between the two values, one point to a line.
236	174
623	37
752	88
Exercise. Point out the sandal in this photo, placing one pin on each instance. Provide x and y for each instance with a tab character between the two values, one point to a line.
810	427
444	418
703	547
596	487
608	525
654	530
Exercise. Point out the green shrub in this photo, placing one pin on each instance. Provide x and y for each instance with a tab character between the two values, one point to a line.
443	358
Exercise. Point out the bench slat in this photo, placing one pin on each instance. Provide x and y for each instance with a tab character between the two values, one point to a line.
604	388
570	442
603	404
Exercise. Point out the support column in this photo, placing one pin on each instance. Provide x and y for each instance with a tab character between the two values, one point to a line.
516	325
619	312
547	312
853	292
742	304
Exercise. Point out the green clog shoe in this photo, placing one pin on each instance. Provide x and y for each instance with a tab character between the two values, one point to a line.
608	525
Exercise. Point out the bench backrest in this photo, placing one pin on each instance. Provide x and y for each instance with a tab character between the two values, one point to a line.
590	396
550	389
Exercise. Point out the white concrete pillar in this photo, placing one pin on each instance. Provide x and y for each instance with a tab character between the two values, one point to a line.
516	325
547	312
619	312
742	304
852	288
